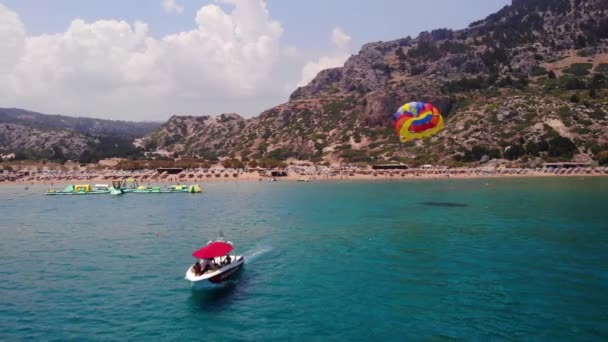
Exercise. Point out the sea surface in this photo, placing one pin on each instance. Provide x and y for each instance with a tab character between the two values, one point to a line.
486	259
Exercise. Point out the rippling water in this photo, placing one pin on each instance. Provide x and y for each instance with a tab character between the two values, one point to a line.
430	260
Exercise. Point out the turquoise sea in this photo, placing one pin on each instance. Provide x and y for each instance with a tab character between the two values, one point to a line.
488	259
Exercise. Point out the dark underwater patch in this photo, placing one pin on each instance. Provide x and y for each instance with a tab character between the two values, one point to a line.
444	204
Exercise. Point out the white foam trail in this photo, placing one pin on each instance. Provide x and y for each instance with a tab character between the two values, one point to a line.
257	253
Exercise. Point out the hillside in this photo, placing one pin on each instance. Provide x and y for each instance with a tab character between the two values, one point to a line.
204	136
41	136
42	143
78	124
527	83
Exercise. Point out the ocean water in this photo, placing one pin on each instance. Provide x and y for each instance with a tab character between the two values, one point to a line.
488	259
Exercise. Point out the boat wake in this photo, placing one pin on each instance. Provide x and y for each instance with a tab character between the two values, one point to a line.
256	253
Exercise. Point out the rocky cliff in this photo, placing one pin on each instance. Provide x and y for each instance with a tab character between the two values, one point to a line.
527	83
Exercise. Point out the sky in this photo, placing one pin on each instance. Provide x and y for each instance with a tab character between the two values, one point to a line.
147	60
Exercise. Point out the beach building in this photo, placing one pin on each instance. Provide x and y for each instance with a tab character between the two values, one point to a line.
170	170
393	166
567	165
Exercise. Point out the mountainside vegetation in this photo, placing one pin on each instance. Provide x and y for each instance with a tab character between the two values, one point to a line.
528	84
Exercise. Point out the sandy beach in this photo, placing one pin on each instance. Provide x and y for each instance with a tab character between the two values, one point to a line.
150	177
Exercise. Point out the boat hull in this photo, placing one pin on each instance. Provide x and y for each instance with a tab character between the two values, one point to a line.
218	276
226	275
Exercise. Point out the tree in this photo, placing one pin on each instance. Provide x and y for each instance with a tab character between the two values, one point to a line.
87	157
592	93
575	99
602	157
233	164
561	147
551	75
513	152
58	154
20	155
400	54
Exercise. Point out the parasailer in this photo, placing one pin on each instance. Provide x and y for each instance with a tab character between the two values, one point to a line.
417	120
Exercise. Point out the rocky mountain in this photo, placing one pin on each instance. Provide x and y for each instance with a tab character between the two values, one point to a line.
42	143
528	83
79	124
42	136
200	135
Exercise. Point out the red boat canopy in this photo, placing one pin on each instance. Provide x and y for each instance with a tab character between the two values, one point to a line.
212	250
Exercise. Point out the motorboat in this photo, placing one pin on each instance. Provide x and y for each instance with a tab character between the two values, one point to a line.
303	179
214	264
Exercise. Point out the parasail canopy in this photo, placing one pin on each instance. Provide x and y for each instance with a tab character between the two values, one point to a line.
417	120
212	250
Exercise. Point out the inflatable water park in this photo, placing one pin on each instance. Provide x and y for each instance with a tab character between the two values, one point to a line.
120	187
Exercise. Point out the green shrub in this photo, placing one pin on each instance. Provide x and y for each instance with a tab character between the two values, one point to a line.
602	157
579	69
514	152
426	51
561	147
598	114
538	71
534	148
355	156
280	154
477	152
602	68
343	147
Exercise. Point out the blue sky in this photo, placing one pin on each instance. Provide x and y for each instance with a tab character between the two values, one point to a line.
305	38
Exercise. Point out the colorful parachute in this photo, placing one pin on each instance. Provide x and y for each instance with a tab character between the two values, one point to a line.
417	120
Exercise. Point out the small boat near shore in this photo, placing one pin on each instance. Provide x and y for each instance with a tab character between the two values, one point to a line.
214	264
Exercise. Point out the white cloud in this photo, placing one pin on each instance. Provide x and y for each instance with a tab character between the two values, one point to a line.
340	39
12	38
341	43
231	60
115	69
171	6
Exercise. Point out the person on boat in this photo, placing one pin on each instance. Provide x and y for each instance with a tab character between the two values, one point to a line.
206	264
197	268
209	264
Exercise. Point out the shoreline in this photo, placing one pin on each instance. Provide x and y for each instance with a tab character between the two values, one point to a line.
249	177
